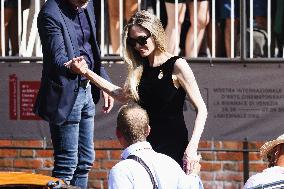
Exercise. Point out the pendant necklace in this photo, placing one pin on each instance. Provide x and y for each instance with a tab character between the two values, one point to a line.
161	74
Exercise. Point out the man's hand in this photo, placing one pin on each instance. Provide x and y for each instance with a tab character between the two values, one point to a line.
77	65
108	102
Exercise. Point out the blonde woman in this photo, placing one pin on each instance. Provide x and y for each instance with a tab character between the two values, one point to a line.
159	82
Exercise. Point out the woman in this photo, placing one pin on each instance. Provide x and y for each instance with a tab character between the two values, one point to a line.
159	82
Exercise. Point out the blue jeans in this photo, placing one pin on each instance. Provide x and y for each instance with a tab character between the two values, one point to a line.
73	142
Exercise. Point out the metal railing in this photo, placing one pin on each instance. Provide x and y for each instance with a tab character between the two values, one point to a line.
28	39
29	43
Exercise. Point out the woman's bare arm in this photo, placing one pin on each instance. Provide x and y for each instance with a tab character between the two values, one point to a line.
115	91
187	80
79	66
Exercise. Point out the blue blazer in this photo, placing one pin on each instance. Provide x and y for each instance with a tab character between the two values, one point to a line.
59	87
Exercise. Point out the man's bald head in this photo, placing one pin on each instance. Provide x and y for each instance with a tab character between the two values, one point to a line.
133	123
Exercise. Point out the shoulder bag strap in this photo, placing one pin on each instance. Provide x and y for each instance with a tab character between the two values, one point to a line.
139	160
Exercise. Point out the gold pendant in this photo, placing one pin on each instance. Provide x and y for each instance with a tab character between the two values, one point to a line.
161	75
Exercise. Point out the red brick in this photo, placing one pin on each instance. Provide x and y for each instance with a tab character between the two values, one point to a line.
6	163
115	154
220	170
25	163
257	167
26	153
240	166
229	176
107	144
213	185
44	172
207	156
210	144
48	163
233	185
96	184
105	184
28	143
4	143
206	175
44	153
232	145
218	144
254	156
255	144
97	165
98	174
205	166
8	153
230	156
108	164
205	144
230	166
102	154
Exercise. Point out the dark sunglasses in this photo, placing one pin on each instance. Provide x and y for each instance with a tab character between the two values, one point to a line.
141	40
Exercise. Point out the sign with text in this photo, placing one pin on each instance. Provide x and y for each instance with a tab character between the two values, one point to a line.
242	101
28	93
245	103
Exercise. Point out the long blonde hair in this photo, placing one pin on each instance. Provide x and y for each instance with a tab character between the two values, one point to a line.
134	61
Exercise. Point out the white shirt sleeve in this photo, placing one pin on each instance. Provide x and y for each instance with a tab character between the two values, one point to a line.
119	180
249	183
191	181
195	181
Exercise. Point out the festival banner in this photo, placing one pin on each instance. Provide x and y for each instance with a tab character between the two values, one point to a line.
243	101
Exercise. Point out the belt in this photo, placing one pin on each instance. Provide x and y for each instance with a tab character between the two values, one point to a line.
84	83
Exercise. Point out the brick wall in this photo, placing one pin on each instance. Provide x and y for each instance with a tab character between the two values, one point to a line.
220	170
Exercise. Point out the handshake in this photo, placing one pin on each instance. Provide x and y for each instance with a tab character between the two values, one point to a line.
77	65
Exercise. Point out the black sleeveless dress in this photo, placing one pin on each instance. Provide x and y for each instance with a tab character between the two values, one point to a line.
164	105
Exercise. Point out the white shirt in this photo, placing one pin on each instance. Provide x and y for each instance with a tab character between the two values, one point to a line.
267	176
167	173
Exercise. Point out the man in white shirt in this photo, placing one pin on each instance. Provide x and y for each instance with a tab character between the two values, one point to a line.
163	172
273	151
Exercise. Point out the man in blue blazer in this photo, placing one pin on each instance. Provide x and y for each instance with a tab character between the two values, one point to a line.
66	100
